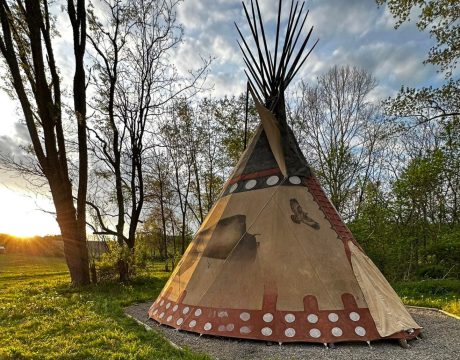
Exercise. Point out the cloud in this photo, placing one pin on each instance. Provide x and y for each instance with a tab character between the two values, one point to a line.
355	33
7	145
14	148
22	133
344	18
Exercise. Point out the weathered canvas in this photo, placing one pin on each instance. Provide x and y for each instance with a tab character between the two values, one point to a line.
274	261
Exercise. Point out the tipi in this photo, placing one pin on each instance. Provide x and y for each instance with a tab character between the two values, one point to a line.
273	260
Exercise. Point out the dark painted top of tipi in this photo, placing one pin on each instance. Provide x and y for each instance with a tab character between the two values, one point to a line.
262	158
269	76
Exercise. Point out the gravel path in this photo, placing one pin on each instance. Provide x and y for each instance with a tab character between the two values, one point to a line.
441	341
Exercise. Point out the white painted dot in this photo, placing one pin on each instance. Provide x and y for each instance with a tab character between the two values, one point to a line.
168	305
295	180
162	302
155	312
360	331
221	328
333	317
179	321
198	312
185	310
289	332
162	315
337	331
233	188
312	318
268	317
192	324
175	307
245	330
250	184
207	326
266	331
315	333
230	327
289	318
354	316
245	316
222	314
272	180
169	318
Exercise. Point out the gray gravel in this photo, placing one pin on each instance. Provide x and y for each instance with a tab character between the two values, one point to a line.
441	341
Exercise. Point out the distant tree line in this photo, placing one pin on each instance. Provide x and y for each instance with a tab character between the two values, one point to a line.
50	245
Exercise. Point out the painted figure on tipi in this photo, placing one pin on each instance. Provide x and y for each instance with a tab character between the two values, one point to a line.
273	259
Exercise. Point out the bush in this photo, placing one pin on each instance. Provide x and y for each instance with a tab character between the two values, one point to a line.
107	266
431	272
445	254
446	287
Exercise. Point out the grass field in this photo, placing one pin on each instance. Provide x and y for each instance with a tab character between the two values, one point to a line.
42	317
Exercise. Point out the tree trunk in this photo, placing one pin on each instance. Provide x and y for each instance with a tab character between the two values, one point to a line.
174	245
32	52
93	272
75	248
163	224
183	233
123	270
198	189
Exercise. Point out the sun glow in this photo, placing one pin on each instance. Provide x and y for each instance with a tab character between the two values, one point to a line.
23	214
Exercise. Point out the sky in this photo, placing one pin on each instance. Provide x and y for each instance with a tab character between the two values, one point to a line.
351	32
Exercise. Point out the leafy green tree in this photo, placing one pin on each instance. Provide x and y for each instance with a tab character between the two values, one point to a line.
230	114
374	229
441	19
443	256
450	137
420	205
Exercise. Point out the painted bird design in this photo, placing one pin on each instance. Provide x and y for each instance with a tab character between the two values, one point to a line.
301	216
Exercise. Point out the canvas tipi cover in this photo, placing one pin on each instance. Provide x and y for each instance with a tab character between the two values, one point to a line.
273	260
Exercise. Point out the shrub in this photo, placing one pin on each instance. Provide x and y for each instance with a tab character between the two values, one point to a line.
431	272
107	265
446	287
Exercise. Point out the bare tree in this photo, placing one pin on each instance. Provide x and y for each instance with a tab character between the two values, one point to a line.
219	134
26	45
159	194
178	137
134	80
340	132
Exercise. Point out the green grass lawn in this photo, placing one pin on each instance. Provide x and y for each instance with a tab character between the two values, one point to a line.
439	294
42	317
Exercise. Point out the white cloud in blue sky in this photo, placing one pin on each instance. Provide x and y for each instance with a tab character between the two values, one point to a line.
355	32
351	32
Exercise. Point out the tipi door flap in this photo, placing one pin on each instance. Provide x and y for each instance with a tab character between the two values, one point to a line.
388	311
